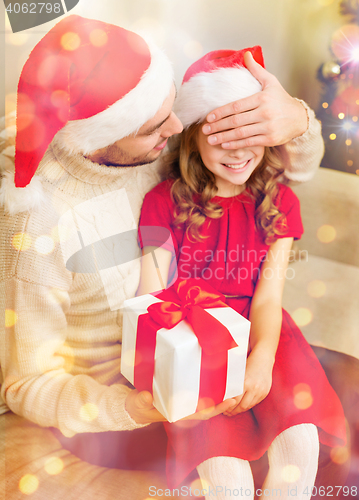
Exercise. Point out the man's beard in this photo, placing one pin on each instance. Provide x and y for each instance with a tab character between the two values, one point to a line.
114	156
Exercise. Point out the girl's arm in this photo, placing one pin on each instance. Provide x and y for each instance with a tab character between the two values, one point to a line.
266	321
155	264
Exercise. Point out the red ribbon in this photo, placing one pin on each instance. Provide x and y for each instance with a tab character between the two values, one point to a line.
186	300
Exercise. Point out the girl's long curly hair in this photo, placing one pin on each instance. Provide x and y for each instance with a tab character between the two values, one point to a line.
194	187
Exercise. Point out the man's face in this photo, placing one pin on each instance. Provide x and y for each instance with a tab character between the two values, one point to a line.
147	145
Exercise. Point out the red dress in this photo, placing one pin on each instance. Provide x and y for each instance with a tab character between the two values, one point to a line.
230	259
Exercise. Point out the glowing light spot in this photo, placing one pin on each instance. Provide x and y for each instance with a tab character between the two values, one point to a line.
17	39
197	487
345	43
357	101
59	98
193	49
316	288
290	473
98	37
326	233
35	139
89	412
357	172
303	398
68	355
44	244
54	466
348	142
21	241
341	116
57	296
10	103
128	357
70	41
28	484
302	316
332	137
200	483
10	318
355	118
325	105
339	455
347	125
350	163
205	404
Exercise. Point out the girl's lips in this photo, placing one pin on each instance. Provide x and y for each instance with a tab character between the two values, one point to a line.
161	146
240	168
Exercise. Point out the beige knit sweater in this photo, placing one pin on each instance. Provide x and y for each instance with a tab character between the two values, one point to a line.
60	352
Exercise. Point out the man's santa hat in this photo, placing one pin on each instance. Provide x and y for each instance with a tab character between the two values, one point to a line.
218	78
95	82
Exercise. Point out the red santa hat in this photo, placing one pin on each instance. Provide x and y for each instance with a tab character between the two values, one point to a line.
95	82
218	78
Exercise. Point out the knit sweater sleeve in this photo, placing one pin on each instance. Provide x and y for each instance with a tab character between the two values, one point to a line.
37	348
303	154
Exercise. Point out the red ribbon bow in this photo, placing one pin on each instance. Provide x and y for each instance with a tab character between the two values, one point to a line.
186	300
190	304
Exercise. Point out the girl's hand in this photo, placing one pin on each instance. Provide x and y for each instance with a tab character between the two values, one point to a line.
257	384
140	407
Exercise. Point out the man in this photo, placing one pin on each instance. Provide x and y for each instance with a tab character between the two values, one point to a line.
94	113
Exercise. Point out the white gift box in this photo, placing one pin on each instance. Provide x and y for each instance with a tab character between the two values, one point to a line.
176	379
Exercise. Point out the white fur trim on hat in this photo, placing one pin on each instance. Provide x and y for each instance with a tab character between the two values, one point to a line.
126	115
16	200
205	92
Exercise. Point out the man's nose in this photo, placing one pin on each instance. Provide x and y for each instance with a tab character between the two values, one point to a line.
173	126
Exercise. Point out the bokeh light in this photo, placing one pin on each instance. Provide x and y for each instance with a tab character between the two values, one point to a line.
354	118
70	41
302	316
17	39
205	404
98	37
325	105
54	466
197	487
89	412
303	398
326	233
341	116
316	288
27	107
332	137
193	49
10	103
348	142
339	454
28	484
57	296
35	139
350	163
150	27
44	244
21	241
345	43
10	318
290	473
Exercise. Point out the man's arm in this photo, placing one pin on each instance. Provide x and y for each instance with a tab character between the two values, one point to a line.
270	118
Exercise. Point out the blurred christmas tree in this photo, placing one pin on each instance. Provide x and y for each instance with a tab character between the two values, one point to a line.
339	106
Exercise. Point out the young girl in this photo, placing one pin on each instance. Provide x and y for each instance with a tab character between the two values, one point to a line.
232	224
